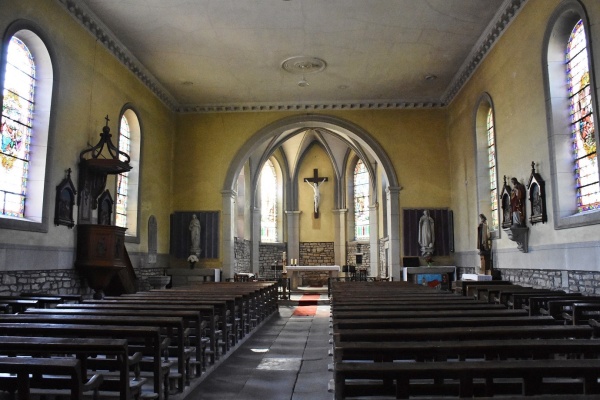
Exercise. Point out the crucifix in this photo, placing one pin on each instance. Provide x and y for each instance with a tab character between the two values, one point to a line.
315	182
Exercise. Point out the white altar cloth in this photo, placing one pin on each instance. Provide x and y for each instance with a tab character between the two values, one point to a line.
295	269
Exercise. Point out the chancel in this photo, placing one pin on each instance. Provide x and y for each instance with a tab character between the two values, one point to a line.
444	142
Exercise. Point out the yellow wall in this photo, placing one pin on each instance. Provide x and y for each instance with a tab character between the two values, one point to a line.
414	140
92	84
512	75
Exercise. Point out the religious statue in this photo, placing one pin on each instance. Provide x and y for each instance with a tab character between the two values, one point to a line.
517	203
483	244
317	198
426	234
483	234
195	235
315	182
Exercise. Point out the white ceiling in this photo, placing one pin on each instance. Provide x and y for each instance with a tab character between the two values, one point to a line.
216	54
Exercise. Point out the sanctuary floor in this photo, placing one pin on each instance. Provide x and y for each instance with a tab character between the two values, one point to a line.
285	359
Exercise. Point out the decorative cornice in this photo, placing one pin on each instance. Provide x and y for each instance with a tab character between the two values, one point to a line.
104	35
488	39
493	32
267	107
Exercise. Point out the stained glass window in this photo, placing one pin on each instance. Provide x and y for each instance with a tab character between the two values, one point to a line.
268	193
582	121
491	147
17	114
123	179
361	201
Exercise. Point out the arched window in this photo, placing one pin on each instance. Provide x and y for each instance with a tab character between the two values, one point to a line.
127	190
491	147
268	207
571	105
361	201
487	164
123	179
582	121
26	102
17	117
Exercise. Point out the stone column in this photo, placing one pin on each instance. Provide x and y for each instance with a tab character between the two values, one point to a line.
228	245
293	228
373	242
393	207
341	236
255	252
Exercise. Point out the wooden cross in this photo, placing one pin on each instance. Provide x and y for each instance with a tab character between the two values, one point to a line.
315	182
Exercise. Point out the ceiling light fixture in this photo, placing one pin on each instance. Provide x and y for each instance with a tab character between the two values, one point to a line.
303	82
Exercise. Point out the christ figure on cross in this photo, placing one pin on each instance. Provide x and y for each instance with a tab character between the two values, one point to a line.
315	182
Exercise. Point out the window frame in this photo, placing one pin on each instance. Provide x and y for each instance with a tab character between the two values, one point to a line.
38	203
556	37
484	203
365	238
132	234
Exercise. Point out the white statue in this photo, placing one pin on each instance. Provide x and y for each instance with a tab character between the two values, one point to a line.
426	234
195	235
317	197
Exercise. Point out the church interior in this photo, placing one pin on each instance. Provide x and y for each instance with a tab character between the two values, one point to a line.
169	143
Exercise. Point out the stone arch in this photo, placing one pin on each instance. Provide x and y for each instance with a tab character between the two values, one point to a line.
273	135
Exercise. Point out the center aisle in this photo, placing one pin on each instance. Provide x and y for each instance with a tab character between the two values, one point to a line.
287	358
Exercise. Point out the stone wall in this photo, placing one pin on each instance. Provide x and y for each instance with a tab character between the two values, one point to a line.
242	251
62	281
585	282
359	247
269	254
316	253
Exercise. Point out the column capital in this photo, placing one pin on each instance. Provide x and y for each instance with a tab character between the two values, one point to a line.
228	193
393	189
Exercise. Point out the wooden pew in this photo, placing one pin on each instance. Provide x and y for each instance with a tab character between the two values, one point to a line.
442	314
461	286
29	374
521	299
42	301
471	288
464	333
220	307
20	305
557	307
532	373
151	343
417	306
538	305
581	313
505	295
205	318
192	320
467	349
82	349
66	298
463	322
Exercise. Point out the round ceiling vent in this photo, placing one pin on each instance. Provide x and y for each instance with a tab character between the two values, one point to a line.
303	65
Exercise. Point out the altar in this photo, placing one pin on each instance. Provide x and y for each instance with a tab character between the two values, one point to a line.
295	271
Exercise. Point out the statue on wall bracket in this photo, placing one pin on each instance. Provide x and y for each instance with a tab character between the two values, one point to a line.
513	210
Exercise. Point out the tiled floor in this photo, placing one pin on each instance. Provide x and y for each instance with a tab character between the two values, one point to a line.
285	359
